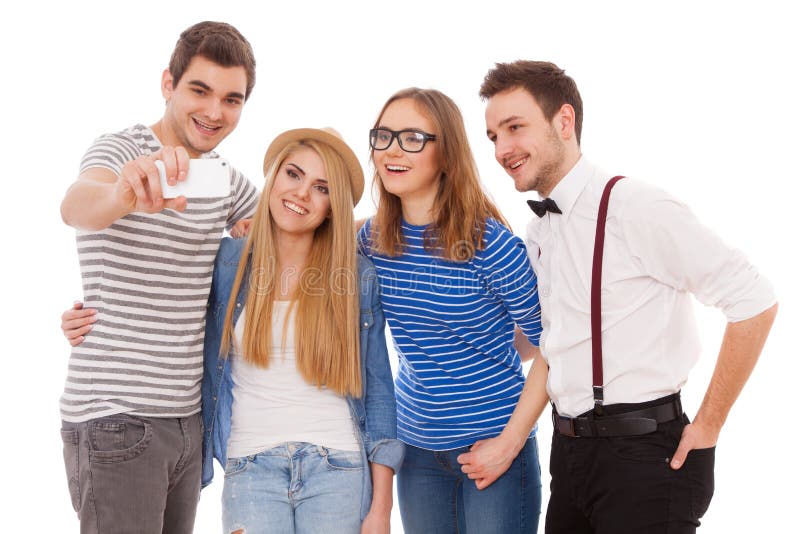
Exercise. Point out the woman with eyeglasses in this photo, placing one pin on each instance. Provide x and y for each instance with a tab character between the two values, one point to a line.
454	282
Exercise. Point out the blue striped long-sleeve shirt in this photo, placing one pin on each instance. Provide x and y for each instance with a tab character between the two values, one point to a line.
460	376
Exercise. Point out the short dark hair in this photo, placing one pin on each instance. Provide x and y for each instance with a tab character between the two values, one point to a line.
546	83
218	42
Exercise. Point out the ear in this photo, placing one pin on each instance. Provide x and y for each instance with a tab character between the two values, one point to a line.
564	122
166	85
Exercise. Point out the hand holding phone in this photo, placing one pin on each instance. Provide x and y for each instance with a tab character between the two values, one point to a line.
207	178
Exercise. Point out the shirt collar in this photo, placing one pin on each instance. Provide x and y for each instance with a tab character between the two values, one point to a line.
569	188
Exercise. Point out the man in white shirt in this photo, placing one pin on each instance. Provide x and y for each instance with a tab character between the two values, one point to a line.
625	459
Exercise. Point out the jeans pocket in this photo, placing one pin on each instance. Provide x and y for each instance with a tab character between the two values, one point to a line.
650	448
342	460
700	464
234	466
117	439
70	439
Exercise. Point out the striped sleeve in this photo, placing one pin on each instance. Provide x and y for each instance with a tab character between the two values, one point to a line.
505	270
245	199
111	151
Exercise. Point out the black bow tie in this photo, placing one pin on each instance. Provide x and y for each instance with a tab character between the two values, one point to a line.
543	206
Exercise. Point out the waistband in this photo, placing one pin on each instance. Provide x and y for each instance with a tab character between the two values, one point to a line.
622	419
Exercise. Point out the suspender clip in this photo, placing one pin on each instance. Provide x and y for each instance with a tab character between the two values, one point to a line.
598	400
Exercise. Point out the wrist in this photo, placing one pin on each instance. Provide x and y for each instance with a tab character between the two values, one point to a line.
709	425
513	441
381	508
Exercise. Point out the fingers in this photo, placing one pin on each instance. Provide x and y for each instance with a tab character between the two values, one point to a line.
167	156
77	336
176	163
182	159
484	483
465	458
131	176
152	179
71	321
681	453
241	228
74	314
177	203
77	322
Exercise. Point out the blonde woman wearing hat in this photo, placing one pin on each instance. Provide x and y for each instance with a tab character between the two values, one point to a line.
298	400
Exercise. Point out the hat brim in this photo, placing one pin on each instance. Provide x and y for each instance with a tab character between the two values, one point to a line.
330	139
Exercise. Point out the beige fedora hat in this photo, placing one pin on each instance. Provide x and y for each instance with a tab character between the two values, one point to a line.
330	137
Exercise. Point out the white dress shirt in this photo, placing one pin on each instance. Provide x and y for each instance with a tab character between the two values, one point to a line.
656	254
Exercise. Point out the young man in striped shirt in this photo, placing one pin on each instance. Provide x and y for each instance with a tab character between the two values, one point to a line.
130	409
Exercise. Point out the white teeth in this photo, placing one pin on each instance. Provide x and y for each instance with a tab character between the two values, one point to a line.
517	164
206	126
294	207
398	168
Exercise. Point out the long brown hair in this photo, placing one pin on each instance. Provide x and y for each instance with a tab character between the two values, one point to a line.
461	206
326	299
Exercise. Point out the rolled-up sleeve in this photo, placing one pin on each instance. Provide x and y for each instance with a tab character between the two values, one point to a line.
674	247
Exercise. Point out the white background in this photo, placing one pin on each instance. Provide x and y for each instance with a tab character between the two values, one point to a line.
698	98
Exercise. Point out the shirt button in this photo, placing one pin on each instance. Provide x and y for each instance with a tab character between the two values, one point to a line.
238	304
366	324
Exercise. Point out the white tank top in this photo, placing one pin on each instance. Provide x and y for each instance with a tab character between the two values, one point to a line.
276	405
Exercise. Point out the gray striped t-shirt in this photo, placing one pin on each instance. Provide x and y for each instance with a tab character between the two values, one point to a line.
149	276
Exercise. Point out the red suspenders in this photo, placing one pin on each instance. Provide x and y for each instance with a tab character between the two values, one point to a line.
597	271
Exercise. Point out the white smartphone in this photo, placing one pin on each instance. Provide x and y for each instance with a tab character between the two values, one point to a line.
207	178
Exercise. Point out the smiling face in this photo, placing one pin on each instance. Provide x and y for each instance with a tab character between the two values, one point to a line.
299	199
409	176
533	150
204	107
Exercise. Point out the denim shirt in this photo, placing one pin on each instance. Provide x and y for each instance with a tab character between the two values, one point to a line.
374	414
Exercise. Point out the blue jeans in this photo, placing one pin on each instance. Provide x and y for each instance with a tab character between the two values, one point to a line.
294	487
435	496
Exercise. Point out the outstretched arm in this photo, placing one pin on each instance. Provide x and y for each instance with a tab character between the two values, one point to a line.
100	196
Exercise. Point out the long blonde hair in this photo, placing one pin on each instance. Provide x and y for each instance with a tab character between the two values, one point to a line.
461	206
326	299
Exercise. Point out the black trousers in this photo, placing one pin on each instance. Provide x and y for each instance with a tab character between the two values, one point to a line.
624	485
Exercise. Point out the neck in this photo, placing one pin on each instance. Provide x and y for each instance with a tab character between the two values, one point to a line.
418	210
567	164
292	253
166	136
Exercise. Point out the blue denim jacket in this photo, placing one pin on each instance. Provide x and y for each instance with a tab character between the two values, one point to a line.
374	414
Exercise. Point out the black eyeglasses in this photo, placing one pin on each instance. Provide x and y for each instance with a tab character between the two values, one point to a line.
409	140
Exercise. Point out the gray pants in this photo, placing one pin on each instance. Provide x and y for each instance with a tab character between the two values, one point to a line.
130	474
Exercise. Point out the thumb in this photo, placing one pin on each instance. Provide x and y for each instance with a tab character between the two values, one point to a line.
477	445
77	305
680	454
177	203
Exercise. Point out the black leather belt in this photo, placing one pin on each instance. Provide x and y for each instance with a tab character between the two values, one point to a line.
633	423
